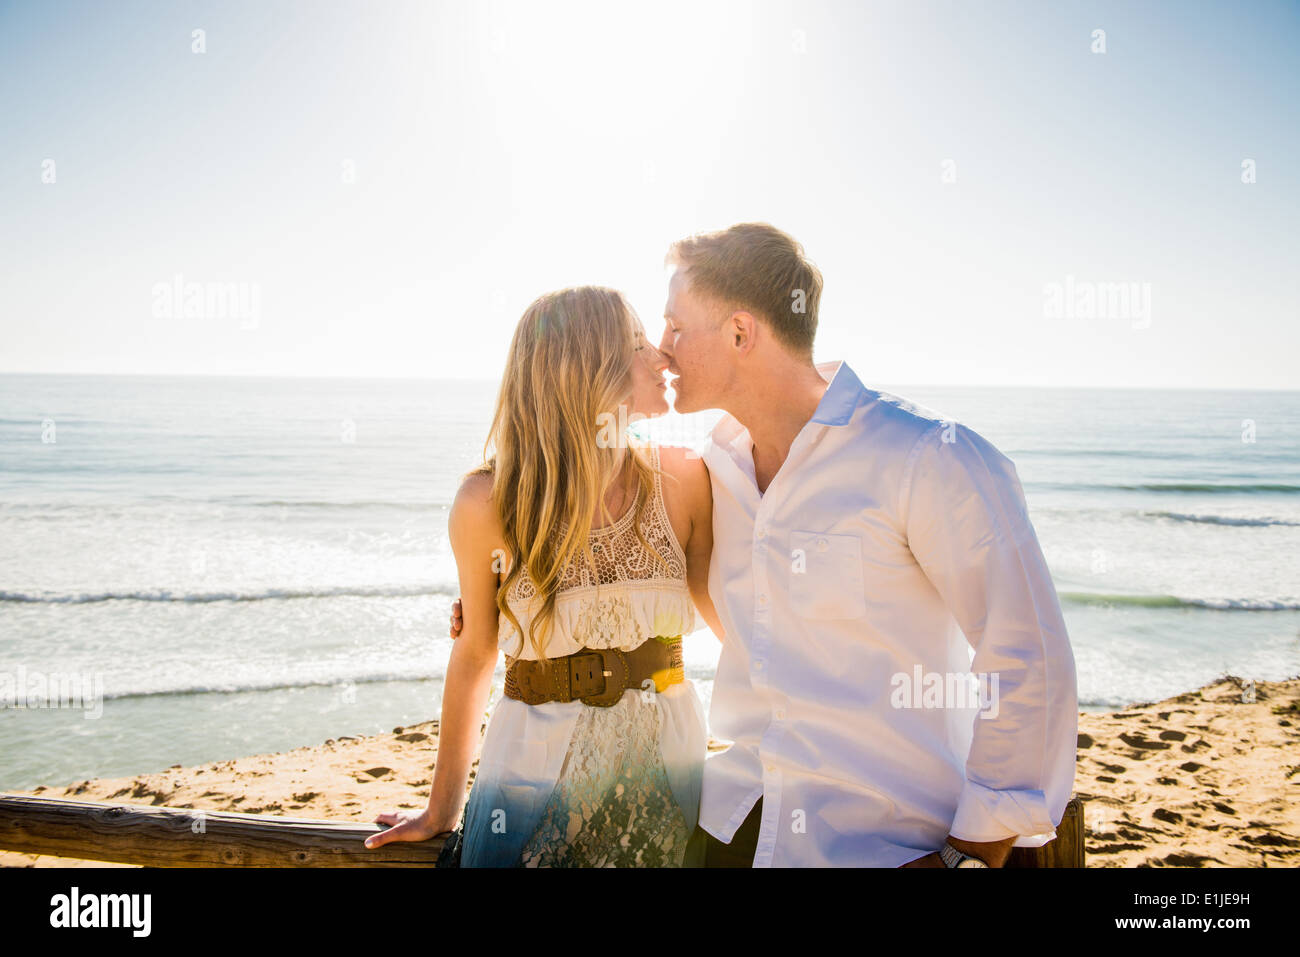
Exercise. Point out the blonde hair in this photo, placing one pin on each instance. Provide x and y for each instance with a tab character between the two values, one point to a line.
569	362
757	267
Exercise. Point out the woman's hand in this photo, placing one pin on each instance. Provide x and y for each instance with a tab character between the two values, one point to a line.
455	619
408	826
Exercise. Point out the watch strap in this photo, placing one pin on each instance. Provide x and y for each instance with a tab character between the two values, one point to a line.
952	857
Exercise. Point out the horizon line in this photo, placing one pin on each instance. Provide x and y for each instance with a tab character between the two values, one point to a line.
489	379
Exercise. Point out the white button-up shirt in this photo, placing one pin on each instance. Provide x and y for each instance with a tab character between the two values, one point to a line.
890	542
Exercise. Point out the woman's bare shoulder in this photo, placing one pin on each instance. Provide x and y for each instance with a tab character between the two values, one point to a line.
688	485
473	503
683	463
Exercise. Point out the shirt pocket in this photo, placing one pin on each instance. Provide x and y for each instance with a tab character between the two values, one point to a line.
826	576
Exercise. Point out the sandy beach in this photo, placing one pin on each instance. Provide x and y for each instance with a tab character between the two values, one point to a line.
1199	780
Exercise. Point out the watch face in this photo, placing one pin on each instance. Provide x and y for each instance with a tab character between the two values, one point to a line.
972	862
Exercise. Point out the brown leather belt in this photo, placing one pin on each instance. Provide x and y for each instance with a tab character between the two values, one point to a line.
597	676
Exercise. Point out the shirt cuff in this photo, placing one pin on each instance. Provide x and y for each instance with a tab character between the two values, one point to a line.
985	814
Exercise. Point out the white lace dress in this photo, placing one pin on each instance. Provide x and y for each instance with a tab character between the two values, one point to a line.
570	784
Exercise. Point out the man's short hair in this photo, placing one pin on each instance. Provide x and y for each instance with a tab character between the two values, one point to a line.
758	268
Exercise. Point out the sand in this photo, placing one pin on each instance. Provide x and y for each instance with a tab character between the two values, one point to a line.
1200	780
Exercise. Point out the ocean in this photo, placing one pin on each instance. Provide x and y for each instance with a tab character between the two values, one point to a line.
248	565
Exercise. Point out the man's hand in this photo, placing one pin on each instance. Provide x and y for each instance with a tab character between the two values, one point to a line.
455	618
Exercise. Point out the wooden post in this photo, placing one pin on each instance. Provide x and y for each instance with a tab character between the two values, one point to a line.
1067	848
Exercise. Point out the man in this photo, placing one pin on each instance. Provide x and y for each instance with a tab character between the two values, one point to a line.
857	536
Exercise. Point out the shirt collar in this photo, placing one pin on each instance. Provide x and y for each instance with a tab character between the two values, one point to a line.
842	395
836	407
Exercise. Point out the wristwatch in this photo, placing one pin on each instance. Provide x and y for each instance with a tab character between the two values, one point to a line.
952	857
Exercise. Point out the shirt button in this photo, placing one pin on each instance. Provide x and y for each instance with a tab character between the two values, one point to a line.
771	767
758	665
762	599
780	714
821	544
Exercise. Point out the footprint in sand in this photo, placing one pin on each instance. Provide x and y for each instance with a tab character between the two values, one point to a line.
1140	742
1115	848
1186	859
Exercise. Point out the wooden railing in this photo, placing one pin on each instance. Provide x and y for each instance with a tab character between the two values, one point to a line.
186	837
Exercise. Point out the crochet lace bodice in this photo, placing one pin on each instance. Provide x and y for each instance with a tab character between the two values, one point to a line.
631	597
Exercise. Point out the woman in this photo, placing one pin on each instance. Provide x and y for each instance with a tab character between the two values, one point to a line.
579	550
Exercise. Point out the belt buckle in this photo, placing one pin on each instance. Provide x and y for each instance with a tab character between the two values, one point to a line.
615	679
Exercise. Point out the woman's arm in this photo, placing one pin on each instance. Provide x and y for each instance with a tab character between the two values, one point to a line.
474	531
695	493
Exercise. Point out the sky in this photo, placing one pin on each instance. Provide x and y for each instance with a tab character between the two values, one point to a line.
995	193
